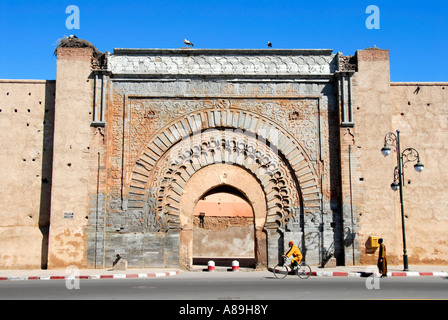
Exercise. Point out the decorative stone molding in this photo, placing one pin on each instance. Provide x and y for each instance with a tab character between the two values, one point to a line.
217	147
299	117
220	62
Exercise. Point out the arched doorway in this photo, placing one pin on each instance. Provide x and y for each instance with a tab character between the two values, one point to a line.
177	168
211	181
224	228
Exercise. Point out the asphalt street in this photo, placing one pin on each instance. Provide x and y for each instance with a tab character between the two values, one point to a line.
243	286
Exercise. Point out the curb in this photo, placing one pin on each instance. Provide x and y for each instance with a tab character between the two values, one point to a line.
92	277
361	274
173	273
368	274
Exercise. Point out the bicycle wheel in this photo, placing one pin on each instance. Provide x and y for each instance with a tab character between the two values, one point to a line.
304	272
280	271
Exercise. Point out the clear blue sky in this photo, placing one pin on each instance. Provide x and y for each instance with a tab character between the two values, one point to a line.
415	32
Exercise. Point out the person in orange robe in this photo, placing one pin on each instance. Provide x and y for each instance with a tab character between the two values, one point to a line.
382	260
295	252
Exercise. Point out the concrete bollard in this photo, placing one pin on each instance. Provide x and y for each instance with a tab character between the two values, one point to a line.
235	265
211	266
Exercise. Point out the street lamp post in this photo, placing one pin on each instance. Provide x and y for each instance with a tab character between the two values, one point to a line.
409	155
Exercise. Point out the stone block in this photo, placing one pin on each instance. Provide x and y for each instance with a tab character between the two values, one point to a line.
120	264
331	263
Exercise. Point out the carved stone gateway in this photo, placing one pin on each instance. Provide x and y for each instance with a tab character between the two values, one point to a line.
174	116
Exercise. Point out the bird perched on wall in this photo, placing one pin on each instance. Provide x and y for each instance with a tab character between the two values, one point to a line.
269	44
188	43
417	90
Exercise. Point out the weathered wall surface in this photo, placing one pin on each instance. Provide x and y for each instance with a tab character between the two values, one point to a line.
26	126
71	161
420	111
421	117
369	174
223	237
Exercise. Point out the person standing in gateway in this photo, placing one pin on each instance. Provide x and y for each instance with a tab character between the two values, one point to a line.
382	261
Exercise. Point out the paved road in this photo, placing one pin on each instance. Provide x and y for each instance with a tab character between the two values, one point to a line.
231	286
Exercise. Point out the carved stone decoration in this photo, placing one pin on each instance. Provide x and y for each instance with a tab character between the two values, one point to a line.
221	62
203	138
294	223
174	169
148	115
153	221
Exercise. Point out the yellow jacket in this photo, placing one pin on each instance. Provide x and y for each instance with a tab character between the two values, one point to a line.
295	252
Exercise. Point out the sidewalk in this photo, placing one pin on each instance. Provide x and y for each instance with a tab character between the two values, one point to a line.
62	274
393	271
357	271
348	271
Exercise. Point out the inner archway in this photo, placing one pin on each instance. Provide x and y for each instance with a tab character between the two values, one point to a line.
219	177
224	228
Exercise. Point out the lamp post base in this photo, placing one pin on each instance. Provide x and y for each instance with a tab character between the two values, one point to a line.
405	261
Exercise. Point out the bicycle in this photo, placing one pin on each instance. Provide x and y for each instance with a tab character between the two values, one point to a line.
303	271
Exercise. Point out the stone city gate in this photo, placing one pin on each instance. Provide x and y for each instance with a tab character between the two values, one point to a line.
172	195
179	127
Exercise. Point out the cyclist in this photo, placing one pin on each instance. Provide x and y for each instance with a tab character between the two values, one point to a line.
295	252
